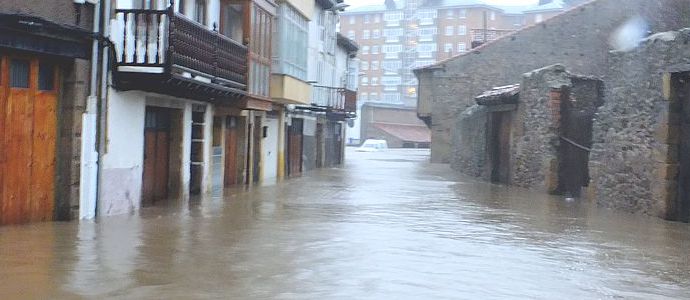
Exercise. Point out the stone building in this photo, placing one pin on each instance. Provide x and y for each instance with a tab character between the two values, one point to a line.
536	134
641	154
577	38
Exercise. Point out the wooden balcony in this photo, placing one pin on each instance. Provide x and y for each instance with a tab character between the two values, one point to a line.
335	101
164	52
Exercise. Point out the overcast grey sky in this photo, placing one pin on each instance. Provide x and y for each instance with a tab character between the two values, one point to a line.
497	2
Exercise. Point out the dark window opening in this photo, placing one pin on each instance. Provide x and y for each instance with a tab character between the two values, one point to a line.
46	76
19	73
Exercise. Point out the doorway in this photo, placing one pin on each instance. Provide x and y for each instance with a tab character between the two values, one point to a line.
499	146
683	201
160	152
295	137
28	137
231	153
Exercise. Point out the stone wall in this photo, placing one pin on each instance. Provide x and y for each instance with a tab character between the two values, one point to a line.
634	157
578	39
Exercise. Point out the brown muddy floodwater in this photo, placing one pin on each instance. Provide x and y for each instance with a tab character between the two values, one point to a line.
386	226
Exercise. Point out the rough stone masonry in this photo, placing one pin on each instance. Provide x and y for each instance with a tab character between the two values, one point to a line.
577	38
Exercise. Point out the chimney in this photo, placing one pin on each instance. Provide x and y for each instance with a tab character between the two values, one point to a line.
542	2
390	4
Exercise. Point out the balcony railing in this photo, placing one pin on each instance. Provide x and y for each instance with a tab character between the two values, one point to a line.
334	99
166	42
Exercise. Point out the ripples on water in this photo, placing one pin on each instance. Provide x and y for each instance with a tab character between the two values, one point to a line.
387	226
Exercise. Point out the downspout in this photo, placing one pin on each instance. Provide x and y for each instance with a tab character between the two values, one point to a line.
89	157
103	101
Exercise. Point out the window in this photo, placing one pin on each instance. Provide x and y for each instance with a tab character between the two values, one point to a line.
200	11
392	34
364	96
493	16
448	47
391	65
391	80
449	14
351	34
374	65
394	48
374	81
538	18
366	18
462	47
365	49
46	76
259	47
374	96
293	35
374	49
19	73
365	34
462	30
462	13
232	16
425	54
391	97
364	65
392	16
377	18
426	47
427	34
376	34
426	16
352	20
422	63
449	30
365	81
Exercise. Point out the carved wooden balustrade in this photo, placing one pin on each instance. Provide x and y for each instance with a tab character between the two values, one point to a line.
168	43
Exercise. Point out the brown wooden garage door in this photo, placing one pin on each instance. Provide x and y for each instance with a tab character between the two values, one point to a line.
28	119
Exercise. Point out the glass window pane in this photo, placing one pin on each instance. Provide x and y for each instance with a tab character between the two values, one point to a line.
19	73
46	76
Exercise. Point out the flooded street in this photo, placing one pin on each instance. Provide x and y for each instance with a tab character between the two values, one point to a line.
388	225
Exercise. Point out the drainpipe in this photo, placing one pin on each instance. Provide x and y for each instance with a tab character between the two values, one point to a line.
88	182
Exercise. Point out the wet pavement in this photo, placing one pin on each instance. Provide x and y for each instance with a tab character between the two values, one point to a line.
388	225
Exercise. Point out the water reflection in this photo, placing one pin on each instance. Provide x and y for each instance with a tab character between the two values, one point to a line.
388	225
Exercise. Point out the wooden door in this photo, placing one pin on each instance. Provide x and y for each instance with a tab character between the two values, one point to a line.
231	150
28	130
156	155
295	147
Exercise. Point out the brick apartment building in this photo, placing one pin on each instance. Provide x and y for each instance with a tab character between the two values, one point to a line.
398	36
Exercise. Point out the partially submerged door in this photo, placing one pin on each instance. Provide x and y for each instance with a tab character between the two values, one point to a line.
156	155
231	140
295	147
28	130
683	201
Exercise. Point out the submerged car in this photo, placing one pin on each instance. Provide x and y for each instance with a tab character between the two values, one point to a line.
372	145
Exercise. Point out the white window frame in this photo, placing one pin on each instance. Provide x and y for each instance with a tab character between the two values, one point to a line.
376	34
462	13
365	50
447	47
351	34
375	49
449	30
375	65
462	30
462	47
365	34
